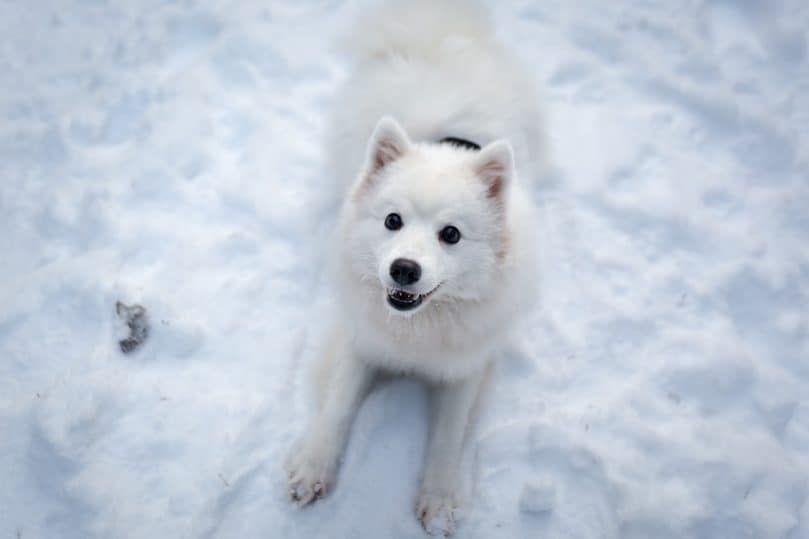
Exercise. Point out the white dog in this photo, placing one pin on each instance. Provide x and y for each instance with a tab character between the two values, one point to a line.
434	255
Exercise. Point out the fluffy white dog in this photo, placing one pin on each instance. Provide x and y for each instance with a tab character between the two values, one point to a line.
435	252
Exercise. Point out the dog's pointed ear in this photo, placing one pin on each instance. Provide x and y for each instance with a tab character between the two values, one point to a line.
388	143
494	165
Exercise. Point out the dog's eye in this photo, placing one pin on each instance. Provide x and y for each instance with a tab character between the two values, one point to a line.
450	234
393	221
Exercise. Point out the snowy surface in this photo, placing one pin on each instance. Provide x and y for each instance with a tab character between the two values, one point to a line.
168	154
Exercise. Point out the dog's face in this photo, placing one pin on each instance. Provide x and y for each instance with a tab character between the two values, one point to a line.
426	221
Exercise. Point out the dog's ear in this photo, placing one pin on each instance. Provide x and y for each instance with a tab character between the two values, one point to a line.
494	165
388	143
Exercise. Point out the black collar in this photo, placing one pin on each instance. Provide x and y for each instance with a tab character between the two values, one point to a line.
460	142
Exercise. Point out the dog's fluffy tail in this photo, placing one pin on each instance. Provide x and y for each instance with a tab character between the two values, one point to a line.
413	28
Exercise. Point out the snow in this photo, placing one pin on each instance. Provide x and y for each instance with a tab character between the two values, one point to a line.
538	497
168	154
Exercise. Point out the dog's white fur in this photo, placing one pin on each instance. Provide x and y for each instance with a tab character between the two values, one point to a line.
436	67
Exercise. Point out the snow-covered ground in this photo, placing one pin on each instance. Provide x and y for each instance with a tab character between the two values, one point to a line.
168	154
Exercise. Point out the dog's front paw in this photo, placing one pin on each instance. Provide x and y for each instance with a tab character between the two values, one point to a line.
436	512
310	475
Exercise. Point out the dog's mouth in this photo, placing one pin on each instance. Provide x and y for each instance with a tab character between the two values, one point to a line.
402	300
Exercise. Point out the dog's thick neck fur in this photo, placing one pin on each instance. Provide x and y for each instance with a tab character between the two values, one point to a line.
445	341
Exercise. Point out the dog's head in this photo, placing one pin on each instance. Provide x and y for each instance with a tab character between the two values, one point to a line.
426	222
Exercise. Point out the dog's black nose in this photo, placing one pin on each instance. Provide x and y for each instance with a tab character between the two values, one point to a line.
405	271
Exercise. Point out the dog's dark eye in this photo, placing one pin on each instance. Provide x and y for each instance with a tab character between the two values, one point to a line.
393	221
450	234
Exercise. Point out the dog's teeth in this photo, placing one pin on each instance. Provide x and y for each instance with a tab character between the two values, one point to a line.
402	295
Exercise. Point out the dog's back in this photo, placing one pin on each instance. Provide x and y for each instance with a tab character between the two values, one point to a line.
436	67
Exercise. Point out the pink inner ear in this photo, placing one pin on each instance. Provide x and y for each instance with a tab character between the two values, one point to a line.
386	152
495	187
492	173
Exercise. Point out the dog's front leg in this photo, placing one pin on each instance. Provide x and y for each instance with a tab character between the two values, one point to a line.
312	466
452	406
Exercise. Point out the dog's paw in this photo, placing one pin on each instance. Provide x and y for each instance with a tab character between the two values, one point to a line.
436	512
310	477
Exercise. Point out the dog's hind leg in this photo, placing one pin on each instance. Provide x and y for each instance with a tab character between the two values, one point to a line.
312	466
452	409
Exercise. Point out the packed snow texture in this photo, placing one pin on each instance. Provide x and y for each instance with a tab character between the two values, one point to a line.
169	154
